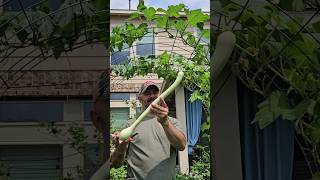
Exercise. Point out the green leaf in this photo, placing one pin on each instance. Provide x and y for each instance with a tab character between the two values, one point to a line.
173	10
292	26
297	5
311	107
191	39
316	24
161	21
275	106
180	25
264	117
149	13
134	15
205	126
141	6
205	33
164	58
196	16
195	96
161	10
299	110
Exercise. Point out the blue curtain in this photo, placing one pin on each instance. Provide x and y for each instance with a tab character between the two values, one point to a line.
266	154
193	115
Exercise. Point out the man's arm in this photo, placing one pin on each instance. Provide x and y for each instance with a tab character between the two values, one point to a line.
118	155
175	136
117	158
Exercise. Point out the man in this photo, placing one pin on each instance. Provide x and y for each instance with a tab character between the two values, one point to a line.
151	153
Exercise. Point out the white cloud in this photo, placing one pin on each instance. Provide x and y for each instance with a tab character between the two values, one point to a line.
192	4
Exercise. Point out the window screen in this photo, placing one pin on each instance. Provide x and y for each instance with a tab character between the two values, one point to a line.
32	162
31	111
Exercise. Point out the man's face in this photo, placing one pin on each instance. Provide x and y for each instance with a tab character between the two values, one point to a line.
149	96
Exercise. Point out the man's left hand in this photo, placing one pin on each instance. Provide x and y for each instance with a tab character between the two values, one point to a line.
161	111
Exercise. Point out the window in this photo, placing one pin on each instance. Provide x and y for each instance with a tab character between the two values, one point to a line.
118	117
121	57
34	162
31	111
88	105
87	108
119	96
146	47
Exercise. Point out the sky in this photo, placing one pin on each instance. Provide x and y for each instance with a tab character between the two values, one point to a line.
191	4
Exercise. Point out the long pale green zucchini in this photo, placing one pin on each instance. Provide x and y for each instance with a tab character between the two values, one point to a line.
224	47
126	133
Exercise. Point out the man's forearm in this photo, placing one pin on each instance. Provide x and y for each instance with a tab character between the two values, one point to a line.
176	138
117	158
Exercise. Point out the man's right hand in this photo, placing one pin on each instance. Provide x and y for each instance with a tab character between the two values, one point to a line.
118	154
120	145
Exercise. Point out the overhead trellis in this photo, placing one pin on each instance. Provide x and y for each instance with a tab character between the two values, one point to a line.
52	30
48	28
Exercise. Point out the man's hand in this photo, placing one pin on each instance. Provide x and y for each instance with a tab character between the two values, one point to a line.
117	156
120	145
161	111
177	138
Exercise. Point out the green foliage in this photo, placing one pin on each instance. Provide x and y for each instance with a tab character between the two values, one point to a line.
281	63
78	137
55	32
316	176
274	107
174	10
196	18
181	176
288	80
127	34
118	173
200	168
166	65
